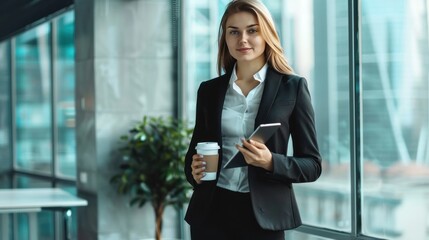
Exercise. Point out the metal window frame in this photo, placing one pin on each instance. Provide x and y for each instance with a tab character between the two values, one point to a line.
355	115
13	101
53	73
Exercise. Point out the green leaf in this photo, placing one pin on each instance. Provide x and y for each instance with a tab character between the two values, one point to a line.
152	160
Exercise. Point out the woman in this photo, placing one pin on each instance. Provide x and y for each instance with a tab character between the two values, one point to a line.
256	201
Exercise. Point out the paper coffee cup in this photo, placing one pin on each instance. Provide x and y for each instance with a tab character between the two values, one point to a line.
210	152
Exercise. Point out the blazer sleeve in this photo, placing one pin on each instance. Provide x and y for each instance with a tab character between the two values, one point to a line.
196	136
305	164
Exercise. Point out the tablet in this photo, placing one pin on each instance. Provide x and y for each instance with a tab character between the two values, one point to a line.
261	134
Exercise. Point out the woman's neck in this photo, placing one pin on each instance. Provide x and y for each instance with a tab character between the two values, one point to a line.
246	70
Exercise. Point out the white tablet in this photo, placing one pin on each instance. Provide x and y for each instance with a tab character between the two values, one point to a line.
261	134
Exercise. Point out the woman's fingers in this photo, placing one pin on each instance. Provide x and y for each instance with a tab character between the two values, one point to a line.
251	146
247	149
256	153
198	167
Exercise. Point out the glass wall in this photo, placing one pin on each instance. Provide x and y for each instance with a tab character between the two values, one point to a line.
37	85
5	109
393	140
33	100
64	95
45	112
395	117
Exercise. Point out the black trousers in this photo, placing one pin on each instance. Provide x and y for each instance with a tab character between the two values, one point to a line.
232	218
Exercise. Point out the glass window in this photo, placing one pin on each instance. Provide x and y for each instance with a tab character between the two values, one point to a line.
44	85
200	41
5	116
395	117
33	99
315	38
64	97
42	91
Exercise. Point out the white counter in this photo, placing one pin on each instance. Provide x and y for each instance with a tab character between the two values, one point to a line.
31	200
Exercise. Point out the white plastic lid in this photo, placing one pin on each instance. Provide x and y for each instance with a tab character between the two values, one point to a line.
207	146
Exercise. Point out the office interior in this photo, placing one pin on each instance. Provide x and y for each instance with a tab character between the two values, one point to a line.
76	75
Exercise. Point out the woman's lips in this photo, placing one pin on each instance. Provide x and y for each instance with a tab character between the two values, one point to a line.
244	50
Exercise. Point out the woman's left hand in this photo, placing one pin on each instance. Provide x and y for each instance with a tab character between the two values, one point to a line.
256	154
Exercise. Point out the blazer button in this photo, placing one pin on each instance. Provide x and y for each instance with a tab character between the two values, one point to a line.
261	210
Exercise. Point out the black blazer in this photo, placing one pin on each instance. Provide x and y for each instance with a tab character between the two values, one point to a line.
285	99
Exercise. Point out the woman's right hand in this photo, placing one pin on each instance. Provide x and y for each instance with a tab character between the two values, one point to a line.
198	167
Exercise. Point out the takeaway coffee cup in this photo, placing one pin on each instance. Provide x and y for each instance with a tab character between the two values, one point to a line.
209	150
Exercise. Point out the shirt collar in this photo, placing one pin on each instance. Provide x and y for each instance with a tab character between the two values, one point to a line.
259	76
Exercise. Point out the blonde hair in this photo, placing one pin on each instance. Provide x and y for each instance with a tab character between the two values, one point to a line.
273	50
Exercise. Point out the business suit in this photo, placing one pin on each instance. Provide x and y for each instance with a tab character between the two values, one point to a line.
286	100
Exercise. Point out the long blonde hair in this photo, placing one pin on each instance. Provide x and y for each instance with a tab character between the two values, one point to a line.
273	50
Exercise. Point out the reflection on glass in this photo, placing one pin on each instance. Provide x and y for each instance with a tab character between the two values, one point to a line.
5	146
395	118
33	100
315	38
65	86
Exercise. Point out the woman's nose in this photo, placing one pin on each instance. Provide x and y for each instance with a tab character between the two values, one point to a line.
243	37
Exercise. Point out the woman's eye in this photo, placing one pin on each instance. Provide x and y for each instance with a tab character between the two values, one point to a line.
252	31
233	32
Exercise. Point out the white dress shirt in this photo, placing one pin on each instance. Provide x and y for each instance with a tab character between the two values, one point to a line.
238	121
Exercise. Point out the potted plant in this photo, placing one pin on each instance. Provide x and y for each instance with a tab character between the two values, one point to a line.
151	168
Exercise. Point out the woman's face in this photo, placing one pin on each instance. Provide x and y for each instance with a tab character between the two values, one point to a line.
244	39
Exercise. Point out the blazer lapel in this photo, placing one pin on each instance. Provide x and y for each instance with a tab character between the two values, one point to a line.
223	86
272	83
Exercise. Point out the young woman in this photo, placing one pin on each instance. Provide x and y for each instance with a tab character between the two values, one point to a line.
256	201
